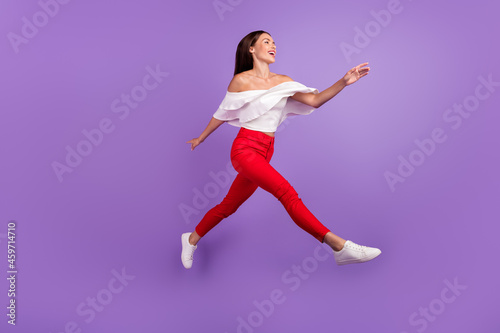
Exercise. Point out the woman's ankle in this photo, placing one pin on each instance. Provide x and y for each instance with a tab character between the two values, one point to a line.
338	246
334	241
194	238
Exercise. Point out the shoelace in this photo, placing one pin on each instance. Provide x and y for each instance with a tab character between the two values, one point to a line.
355	246
190	253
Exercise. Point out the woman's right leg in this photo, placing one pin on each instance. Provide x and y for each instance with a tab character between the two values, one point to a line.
265	176
241	189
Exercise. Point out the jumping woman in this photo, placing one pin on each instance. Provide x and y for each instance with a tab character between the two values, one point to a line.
257	101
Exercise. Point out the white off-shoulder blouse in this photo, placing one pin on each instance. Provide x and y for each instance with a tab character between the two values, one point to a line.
263	110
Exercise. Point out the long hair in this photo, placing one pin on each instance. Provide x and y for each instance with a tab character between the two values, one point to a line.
244	60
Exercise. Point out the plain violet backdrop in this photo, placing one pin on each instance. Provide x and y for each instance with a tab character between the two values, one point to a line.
99	98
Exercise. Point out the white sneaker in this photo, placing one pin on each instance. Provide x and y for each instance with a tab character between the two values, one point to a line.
187	250
353	253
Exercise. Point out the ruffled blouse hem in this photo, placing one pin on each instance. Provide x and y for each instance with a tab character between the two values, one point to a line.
241	107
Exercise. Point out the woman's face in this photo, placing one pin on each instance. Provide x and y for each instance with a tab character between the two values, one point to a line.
264	48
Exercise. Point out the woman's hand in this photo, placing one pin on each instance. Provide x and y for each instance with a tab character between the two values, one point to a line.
194	142
356	73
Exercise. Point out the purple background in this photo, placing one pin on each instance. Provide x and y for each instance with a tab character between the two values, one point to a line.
120	208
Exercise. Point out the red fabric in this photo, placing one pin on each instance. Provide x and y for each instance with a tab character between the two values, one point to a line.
250	155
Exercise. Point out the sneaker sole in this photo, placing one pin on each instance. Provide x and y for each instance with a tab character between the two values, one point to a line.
355	261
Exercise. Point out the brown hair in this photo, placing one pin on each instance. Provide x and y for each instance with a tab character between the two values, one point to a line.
244	60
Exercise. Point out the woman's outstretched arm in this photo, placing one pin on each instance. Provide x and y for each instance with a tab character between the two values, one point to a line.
316	100
212	126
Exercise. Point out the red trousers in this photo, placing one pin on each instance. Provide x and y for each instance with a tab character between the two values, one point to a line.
250	155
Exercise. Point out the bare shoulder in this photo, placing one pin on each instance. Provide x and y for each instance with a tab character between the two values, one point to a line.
237	83
284	78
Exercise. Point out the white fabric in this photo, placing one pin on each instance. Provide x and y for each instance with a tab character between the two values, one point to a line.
263	110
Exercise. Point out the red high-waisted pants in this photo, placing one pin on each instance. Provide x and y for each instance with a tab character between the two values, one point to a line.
250	155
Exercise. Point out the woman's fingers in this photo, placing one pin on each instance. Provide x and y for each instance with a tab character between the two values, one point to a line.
194	143
358	68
